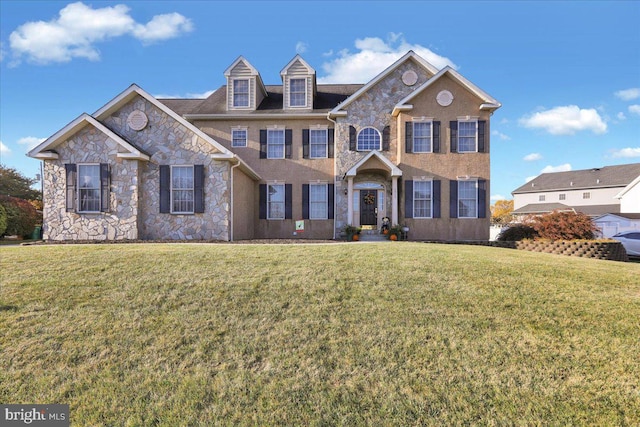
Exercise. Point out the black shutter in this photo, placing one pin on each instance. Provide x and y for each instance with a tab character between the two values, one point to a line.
105	183
453	199
436	198
352	139
305	201
262	201
481	129
288	142
198	187
330	143
436	137
70	170
453	126
408	199
263	143
305	143
408	137
165	188
288	211
331	189
386	138
482	198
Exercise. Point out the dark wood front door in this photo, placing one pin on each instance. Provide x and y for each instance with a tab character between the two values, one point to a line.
368	203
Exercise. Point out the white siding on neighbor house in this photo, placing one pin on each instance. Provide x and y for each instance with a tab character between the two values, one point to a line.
610	225
630	201
598	196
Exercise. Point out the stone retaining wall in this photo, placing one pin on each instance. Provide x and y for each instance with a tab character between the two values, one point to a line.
608	250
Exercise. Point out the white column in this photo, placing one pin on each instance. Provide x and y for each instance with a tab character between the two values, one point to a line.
350	200
394	200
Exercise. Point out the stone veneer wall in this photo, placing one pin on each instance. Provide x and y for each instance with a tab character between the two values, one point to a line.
91	146
372	108
168	142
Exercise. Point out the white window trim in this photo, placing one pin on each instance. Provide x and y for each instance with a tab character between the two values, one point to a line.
326	142
368	149
233	95
284	141
476	198
284	205
246	136
326	200
79	188
413	143
467	120
193	180
430	181
305	92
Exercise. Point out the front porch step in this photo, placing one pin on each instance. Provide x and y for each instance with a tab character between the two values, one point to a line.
372	236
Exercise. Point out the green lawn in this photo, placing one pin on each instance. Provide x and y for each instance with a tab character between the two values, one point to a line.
342	334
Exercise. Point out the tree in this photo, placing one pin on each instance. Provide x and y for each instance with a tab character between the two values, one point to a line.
564	225
502	212
14	184
21	216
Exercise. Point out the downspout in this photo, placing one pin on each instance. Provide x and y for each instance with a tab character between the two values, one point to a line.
335	188
231	201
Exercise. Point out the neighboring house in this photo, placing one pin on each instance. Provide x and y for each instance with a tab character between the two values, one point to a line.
594	192
252	159
611	224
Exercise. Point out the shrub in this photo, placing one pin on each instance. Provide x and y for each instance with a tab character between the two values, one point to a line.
564	226
517	232
21	216
3	220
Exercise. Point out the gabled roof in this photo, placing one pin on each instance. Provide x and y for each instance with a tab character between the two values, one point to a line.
393	169
409	55
44	150
133	91
590	210
605	177
628	188
304	63
489	103
252	69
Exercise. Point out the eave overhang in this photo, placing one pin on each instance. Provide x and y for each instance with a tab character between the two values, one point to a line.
387	164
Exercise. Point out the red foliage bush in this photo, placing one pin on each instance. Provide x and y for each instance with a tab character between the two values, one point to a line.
564	226
21	216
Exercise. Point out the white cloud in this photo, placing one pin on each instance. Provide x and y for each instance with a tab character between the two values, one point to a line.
501	135
532	157
621	116
626	152
373	56
498	197
189	95
634	109
30	141
560	168
566	120
628	94
301	47
74	33
4	150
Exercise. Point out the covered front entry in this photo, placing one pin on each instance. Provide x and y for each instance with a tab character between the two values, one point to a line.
368	194
368	207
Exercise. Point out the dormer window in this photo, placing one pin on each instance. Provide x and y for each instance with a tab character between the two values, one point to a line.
240	93
298	93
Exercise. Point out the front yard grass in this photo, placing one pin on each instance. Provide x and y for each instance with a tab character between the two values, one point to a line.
353	334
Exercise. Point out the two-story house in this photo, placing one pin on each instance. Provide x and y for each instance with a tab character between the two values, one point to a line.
267	161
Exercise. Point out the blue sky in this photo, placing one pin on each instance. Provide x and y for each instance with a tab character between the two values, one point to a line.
566	73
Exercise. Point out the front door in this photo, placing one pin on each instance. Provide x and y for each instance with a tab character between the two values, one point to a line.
368	211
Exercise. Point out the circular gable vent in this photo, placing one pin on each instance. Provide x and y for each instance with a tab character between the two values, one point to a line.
409	78
444	98
137	120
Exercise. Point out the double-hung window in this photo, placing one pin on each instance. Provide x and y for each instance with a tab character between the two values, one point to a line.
318	196
182	189
275	201
368	139
422	137
298	92
241	93
467	136
238	137
318	143
275	143
89	188
468	199
422	197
